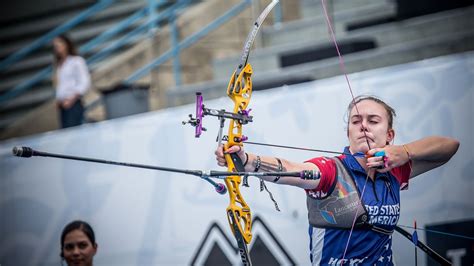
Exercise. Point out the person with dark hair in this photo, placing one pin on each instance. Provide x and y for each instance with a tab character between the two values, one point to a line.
71	79
78	245
353	199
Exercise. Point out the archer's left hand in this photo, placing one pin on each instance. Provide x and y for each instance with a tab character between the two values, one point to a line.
220	154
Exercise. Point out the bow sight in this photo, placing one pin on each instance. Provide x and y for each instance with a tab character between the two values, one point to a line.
242	117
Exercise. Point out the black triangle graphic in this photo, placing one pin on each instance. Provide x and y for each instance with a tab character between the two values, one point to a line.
259	252
280	249
214	227
216	257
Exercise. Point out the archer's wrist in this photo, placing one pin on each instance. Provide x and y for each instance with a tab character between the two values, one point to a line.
253	163
408	152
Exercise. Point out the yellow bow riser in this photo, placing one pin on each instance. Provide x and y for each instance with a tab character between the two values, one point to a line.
238	212
240	90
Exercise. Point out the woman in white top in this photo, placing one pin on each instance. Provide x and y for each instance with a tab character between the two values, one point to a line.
72	80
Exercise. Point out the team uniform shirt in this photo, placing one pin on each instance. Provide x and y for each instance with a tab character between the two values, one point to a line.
381	199
72	78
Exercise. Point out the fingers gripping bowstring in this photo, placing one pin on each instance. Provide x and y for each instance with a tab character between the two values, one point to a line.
343	70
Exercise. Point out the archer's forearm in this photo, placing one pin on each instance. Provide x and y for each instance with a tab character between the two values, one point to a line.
429	153
271	164
433	149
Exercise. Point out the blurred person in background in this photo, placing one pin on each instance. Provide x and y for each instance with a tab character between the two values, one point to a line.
71	80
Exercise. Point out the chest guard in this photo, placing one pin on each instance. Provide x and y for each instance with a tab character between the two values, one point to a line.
339	207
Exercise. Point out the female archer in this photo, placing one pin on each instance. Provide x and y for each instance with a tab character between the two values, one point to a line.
353	199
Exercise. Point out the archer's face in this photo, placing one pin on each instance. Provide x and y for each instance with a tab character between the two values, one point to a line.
78	249
373	119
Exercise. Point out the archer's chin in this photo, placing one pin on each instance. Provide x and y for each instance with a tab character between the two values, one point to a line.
361	147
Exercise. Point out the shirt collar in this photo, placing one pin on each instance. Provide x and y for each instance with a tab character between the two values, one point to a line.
351	161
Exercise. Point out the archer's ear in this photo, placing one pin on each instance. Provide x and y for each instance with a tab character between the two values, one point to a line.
390	136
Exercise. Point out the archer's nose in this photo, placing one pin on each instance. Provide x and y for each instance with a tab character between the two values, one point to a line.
363	126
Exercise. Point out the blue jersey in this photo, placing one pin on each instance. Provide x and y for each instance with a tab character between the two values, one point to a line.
381	199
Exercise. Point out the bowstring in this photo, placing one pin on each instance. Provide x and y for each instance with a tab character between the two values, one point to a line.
343	70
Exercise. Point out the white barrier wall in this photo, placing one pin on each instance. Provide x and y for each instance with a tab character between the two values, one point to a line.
144	217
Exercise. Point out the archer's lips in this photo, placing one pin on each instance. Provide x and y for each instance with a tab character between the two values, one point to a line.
365	138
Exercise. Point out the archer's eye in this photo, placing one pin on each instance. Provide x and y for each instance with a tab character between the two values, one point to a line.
375	121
